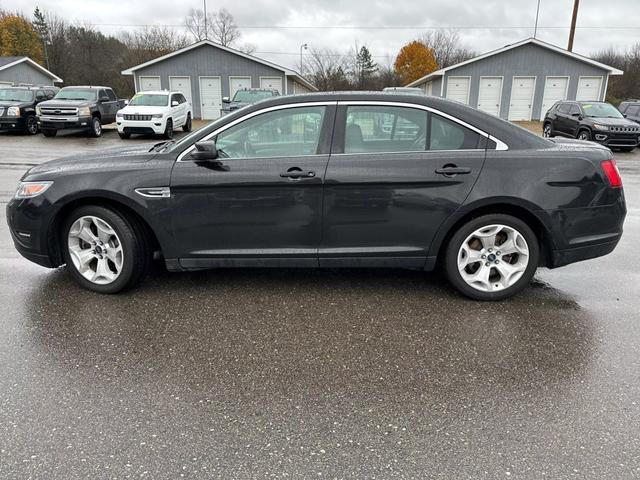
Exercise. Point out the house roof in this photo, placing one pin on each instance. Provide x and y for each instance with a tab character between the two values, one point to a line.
527	41
8	62
290	73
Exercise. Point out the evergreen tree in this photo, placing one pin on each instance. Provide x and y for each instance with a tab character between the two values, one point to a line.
41	26
366	68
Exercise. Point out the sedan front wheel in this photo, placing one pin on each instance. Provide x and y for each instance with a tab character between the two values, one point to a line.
492	257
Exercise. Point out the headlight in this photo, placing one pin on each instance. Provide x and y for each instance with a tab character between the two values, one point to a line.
13	111
84	111
38	110
603	128
32	189
157	115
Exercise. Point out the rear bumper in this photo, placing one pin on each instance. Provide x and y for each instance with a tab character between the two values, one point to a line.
560	258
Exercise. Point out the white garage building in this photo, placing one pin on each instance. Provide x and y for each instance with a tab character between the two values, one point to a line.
521	81
205	72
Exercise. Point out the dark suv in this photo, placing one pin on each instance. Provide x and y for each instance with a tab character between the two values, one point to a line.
18	107
247	96
631	110
597	121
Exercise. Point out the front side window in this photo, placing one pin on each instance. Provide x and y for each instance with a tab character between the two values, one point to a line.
282	133
380	129
446	134
575	110
111	95
564	108
149	100
633	110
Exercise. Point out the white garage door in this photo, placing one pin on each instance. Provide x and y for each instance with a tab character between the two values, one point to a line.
489	95
272	82
149	83
238	83
555	89
210	98
458	89
589	88
181	84
6	83
522	90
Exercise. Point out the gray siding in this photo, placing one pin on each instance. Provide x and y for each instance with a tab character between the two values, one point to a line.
527	60
24	73
207	60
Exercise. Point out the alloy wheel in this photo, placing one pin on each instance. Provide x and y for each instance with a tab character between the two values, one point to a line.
97	127
546	132
32	125
493	258
95	250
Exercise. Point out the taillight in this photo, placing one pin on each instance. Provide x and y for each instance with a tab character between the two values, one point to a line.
612	173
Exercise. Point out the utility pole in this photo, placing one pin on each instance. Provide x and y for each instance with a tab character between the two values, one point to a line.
206	33
572	32
302	47
535	30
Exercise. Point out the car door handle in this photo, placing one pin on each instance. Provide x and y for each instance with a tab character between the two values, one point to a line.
297	173
453	170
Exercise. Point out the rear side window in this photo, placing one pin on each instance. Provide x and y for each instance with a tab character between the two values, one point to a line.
564	108
381	129
446	134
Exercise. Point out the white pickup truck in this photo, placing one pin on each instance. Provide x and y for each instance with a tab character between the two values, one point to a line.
155	113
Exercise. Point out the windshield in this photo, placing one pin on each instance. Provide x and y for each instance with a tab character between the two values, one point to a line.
251	96
150	100
76	94
601	110
16	94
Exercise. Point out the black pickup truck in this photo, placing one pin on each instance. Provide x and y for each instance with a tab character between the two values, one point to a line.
85	108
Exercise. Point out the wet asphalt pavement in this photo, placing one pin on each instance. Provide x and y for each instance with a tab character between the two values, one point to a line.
316	374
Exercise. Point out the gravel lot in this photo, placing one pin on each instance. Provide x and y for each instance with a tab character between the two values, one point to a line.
316	374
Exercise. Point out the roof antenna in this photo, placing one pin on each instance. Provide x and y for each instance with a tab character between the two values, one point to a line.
535	30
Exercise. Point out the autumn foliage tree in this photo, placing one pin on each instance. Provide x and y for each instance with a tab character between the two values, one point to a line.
414	60
18	38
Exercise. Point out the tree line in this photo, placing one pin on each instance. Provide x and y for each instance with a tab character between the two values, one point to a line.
82	55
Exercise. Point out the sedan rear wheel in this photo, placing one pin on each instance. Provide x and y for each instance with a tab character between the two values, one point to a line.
104	250
492	257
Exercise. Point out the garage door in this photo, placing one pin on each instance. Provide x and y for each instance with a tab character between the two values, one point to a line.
555	89
181	84
589	88
458	89
489	94
149	83
238	83
522	90
210	98
272	82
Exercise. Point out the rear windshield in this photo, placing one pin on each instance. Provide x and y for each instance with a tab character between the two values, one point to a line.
251	96
601	110
150	100
16	94
75	94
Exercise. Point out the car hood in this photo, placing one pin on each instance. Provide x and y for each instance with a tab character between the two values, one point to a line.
613	122
19	103
110	158
66	103
142	110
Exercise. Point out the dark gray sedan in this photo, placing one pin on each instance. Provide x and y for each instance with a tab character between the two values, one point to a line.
328	180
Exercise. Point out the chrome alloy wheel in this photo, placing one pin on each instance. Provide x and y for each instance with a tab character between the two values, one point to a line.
95	249
493	258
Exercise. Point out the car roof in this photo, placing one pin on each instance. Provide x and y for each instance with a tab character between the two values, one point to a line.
87	87
29	87
158	92
516	137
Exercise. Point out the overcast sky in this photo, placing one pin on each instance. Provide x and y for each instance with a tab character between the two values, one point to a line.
483	24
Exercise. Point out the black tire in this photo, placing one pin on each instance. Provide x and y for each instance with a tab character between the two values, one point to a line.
584	134
456	241
31	125
49	132
138	253
124	136
168	130
547	130
96	127
187	125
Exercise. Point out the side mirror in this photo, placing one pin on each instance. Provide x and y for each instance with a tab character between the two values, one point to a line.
104	99
575	115
624	115
226	100
175	103
126	102
205	151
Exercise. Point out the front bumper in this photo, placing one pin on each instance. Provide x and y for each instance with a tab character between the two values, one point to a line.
616	140
13	123
29	222
60	123
155	126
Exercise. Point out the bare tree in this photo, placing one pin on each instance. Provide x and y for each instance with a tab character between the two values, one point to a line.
217	26
446	46
327	69
626	86
151	42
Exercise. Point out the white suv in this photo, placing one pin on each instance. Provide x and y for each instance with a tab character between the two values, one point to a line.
155	112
